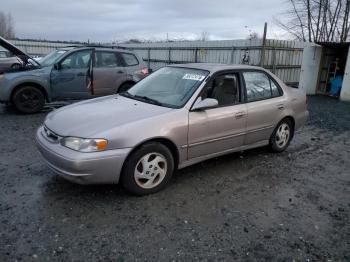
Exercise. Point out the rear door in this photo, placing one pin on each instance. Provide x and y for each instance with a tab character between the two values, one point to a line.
265	105
71	78
132	66
108	72
222	128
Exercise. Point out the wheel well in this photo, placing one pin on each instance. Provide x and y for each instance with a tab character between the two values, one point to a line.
291	119
166	142
41	88
127	82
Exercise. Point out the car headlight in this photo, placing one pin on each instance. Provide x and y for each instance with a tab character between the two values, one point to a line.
84	144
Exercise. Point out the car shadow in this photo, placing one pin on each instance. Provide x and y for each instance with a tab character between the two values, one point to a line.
57	186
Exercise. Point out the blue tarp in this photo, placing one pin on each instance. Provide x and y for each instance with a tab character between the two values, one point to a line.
336	85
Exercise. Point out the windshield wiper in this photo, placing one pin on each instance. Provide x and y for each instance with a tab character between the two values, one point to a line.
148	99
126	93
142	98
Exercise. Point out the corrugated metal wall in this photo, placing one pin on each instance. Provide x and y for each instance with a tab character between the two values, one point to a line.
281	57
38	48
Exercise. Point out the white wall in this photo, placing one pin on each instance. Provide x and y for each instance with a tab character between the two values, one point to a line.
310	67
345	90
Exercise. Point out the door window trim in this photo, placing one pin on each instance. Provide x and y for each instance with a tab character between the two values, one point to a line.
118	58
270	78
123	60
79	50
209	82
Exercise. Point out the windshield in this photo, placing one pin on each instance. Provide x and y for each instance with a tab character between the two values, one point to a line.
169	86
51	58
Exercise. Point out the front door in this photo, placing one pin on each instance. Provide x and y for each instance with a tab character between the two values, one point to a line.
218	129
70	79
109	73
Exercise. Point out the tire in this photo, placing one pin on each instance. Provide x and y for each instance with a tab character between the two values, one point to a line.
125	87
28	99
281	136
141	179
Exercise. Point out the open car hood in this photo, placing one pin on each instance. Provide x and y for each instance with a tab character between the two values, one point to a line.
17	52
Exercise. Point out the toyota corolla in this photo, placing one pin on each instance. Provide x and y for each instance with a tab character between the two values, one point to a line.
178	116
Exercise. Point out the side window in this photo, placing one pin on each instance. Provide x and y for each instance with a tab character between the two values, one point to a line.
129	59
259	86
275	90
106	59
76	60
225	89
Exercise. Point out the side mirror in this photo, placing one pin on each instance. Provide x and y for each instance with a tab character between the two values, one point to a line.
57	66
205	104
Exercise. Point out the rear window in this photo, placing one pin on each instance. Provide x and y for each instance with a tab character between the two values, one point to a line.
129	59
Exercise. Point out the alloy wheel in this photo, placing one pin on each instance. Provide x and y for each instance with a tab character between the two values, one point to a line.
282	135
150	170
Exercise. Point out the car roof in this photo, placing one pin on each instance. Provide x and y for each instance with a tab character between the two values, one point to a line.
213	67
113	49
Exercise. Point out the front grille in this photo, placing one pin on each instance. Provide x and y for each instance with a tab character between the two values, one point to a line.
50	135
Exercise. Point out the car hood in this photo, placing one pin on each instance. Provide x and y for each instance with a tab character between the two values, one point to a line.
16	51
89	118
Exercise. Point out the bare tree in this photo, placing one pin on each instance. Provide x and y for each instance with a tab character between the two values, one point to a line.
7	29
204	36
253	36
317	20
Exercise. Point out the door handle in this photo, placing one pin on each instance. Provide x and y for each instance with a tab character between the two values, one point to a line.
120	72
240	114
280	106
80	74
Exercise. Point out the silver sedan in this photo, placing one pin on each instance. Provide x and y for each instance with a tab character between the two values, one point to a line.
176	117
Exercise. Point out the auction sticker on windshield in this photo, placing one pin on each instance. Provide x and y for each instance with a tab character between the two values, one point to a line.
193	77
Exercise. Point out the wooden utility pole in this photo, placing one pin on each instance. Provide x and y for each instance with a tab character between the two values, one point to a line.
262	55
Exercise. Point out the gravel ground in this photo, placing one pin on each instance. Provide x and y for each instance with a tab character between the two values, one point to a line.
249	206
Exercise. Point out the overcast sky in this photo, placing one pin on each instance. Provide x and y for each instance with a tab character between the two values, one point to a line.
109	20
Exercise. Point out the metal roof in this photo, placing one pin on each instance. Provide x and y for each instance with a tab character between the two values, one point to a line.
334	44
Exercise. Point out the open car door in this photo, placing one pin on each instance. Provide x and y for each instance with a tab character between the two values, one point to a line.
72	76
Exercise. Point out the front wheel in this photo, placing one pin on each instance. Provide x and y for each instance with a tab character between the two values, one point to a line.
28	100
148	169
281	136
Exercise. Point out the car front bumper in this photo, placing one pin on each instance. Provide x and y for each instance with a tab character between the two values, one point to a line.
82	168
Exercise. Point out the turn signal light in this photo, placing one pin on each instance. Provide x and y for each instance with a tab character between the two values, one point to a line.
101	145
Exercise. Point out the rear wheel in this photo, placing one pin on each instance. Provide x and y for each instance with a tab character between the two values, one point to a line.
281	136
125	87
28	100
148	169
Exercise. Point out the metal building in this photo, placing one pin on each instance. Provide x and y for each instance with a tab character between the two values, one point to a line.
324	66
